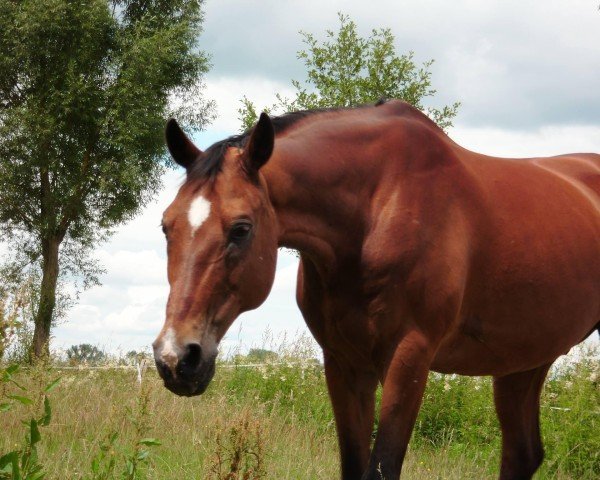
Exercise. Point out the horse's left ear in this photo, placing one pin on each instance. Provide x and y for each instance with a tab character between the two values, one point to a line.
260	145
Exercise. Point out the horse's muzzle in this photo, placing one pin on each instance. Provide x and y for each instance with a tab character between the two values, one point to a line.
191	375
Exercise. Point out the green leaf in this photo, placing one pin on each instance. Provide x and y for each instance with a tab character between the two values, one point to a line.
10	460
23	400
35	472
8	372
25	459
129	468
18	385
149	442
5	407
34	432
47	416
51	385
349	70
9	464
39	474
143	455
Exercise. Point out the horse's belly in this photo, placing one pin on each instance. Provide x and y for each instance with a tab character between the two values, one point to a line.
463	355
521	329
468	356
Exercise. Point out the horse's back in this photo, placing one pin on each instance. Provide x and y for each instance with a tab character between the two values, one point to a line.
581	169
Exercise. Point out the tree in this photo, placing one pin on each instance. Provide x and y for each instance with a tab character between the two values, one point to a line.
85	353
347	70
85	89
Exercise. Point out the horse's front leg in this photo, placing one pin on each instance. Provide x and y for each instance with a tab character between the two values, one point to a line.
352	396
403	388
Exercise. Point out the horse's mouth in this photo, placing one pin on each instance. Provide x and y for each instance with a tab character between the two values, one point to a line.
190	387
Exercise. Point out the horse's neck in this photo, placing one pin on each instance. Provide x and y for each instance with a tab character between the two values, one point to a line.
321	202
322	184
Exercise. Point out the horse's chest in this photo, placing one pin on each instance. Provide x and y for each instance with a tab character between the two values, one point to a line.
339	324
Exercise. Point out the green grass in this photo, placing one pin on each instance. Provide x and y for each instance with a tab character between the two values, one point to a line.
275	422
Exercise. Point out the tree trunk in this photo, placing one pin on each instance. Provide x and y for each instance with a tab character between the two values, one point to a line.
47	300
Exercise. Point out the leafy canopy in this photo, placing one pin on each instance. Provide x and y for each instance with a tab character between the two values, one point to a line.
348	70
84	92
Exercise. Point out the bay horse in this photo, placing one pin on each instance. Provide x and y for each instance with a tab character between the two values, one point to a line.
415	255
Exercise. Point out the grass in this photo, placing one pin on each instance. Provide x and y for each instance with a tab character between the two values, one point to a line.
275	422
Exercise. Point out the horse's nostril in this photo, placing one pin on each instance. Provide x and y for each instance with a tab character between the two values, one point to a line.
163	369
190	361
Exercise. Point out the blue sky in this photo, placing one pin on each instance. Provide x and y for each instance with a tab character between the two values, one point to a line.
527	74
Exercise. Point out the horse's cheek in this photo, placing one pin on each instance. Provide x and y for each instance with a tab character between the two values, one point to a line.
257	279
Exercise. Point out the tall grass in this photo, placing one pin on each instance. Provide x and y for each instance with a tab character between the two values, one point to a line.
274	421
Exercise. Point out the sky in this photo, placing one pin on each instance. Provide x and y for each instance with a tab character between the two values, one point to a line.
527	74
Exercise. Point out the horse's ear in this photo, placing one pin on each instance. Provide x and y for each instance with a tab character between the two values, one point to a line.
182	149
260	145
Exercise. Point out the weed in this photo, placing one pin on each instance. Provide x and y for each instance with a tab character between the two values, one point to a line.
23	463
239	453
104	463
135	454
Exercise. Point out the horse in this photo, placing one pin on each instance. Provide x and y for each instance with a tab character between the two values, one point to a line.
416	254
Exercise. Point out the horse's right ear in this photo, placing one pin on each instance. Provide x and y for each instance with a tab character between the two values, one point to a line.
260	144
182	149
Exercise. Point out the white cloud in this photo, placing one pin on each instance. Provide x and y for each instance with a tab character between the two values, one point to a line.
145	267
544	141
116	319
510	62
228	91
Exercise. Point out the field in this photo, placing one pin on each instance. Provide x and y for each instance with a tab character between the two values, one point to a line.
274	421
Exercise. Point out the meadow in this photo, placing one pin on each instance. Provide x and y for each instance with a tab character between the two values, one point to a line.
272	421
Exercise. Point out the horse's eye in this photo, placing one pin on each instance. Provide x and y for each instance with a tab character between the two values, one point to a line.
164	229
239	232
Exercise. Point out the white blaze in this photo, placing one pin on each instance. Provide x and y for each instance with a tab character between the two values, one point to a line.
169	349
198	212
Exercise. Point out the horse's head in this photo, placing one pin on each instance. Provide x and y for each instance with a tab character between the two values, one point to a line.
221	235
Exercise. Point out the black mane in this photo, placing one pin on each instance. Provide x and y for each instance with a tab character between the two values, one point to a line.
212	159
